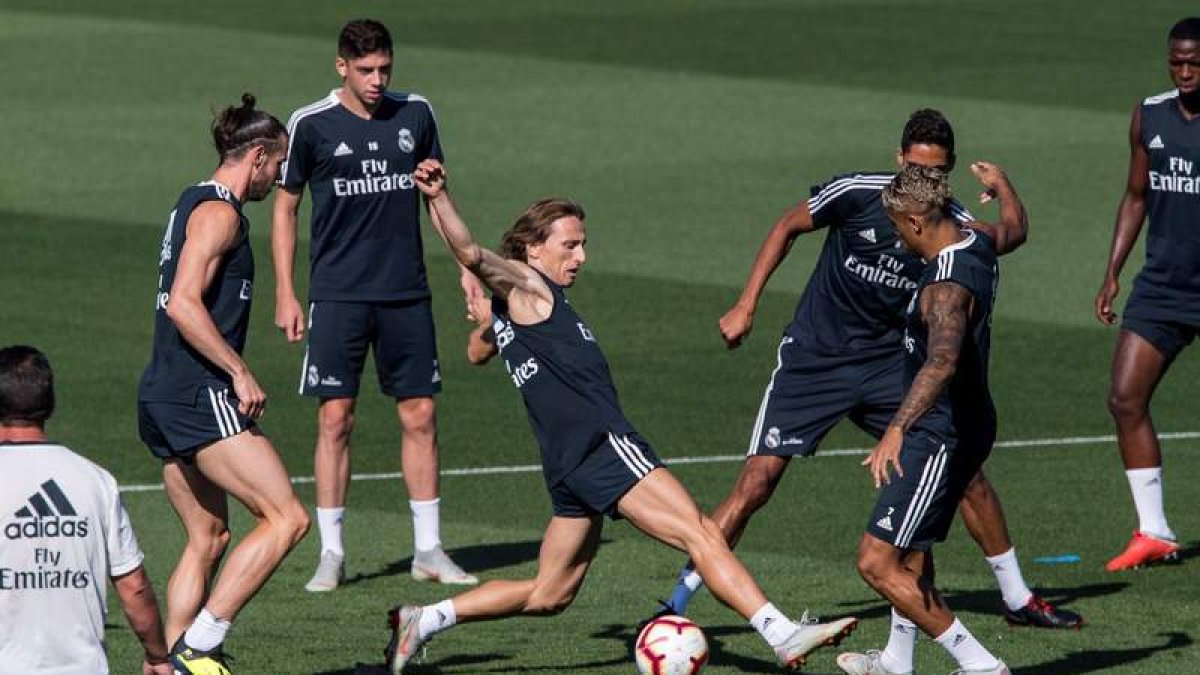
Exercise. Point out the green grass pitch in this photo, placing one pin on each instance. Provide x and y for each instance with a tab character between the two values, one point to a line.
685	127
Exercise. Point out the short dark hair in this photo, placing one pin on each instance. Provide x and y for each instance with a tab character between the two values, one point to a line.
1185	29
533	226
237	128
929	127
363	36
26	387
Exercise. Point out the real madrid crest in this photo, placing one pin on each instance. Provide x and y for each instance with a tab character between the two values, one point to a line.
406	141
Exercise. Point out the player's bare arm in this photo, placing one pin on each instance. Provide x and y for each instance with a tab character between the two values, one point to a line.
211	231
737	323
481	343
529	299
141	610
1130	216
1013	227
289	315
945	309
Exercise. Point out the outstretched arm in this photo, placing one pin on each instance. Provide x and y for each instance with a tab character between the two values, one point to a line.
736	324
1130	216
1013	227
945	308
516	282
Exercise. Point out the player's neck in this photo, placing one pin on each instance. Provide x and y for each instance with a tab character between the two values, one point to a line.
22	434
352	103
236	178
946	235
1189	104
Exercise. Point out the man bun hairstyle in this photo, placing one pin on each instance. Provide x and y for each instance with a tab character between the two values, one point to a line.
1186	29
363	36
533	226
918	189
237	128
26	387
928	127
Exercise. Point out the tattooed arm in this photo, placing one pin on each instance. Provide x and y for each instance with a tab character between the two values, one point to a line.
945	308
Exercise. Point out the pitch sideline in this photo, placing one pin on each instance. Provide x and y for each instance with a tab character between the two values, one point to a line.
708	459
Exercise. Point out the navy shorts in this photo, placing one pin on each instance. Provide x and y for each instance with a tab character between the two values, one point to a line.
604	476
1168	337
810	393
400	333
916	510
178	430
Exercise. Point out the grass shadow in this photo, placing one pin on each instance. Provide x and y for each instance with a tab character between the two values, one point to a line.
479	558
988	601
1087	661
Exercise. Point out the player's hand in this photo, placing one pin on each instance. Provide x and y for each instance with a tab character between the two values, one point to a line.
289	318
252	400
163	668
992	177
430	177
1104	301
886	452
736	325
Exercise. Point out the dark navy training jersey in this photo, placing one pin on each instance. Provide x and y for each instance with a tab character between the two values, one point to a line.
964	410
563	377
1170	280
176	369
855	298
366	234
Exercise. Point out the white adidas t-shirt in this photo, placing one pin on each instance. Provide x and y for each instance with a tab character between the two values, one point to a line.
63	533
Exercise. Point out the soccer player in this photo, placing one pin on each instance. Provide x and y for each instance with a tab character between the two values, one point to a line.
1163	313
356	149
841	355
66	531
198	401
944	429
594	461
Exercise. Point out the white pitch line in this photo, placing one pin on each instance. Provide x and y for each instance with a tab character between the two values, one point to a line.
711	459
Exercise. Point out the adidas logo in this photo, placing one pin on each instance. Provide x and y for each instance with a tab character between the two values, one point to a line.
342	150
47	519
1156	143
885	523
868	234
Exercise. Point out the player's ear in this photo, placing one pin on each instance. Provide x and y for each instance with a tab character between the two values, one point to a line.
900	157
341	66
950	160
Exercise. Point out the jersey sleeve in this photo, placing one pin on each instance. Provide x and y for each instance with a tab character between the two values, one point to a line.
120	541
842	197
297	167
431	144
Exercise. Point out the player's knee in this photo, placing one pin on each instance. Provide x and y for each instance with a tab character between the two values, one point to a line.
545	602
978	490
753	490
335	423
296	522
210	546
1122	405
417	415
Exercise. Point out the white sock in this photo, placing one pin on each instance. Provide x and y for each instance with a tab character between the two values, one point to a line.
436	618
897	657
206	633
425	524
772	625
329	522
966	649
1146	486
1008	574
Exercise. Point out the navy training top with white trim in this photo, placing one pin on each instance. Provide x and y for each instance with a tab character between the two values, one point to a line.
855	298
366	232
964	411
564	380
177	371
1168	287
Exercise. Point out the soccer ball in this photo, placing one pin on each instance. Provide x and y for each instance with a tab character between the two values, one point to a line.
671	645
